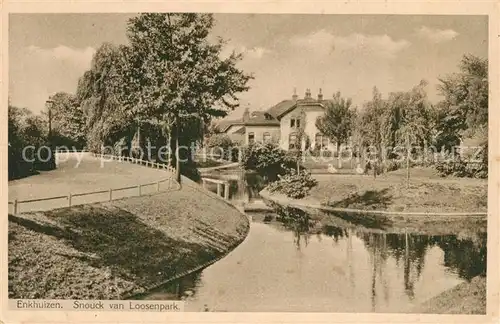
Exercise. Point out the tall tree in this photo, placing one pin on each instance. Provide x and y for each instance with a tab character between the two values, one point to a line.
464	110
413	119
371	128
467	91
68	122
337	122
176	74
99	93
302	139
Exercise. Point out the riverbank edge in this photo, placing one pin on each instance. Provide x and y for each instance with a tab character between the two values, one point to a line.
245	221
200	267
385	220
310	202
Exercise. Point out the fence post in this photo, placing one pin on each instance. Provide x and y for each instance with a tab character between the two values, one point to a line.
219	189
158	186
110	194
69	200
170	182
203	182
140	189
15	206
226	190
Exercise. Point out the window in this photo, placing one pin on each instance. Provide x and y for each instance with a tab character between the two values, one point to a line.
295	123
292	142
321	142
251	138
325	142
318	140
267	137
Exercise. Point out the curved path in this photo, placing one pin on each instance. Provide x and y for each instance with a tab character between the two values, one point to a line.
79	174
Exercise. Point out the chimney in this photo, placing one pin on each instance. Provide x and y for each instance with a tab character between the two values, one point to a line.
246	114
320	95
295	97
308	94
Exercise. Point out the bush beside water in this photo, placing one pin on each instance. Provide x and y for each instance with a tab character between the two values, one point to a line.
294	185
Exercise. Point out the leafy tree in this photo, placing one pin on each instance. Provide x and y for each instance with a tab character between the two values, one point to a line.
337	122
25	130
99	92
464	111
302	139
466	92
371	128
411	119
176	75
68	122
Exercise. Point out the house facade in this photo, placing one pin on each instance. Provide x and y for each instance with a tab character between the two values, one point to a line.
284	123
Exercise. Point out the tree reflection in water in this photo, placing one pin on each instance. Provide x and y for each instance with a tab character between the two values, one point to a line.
464	255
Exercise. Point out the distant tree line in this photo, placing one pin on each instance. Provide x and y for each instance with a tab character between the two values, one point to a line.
407	120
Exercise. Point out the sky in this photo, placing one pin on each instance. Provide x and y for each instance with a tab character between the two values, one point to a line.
347	53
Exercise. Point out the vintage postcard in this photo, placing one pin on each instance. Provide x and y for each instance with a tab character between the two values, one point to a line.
250	162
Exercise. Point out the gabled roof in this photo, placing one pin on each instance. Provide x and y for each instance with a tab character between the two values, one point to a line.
285	106
261	118
223	125
279	109
240	131
256	118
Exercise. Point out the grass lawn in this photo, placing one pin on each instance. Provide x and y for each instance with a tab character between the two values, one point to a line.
114	249
427	192
322	163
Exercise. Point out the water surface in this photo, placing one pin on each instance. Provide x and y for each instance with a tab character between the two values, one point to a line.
284	267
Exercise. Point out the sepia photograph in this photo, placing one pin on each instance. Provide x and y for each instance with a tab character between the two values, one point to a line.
248	162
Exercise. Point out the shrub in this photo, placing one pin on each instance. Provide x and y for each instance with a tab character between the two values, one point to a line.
391	165
321	153
267	160
224	143
294	185
462	169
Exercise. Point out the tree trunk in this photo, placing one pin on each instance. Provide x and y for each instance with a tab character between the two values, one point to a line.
339	161
177	158
407	161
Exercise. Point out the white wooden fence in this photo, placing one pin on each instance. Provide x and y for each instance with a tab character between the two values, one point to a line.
109	197
222	186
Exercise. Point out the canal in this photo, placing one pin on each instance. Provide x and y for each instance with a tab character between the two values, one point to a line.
290	262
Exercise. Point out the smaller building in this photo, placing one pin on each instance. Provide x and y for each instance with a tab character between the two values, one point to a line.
256	126
291	124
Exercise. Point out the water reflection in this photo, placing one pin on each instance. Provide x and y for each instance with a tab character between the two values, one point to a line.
464	256
294	263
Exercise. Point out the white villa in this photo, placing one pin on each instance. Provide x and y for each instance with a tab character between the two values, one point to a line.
281	124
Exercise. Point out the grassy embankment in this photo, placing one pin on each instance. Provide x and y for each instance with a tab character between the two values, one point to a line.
116	249
465	298
427	193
